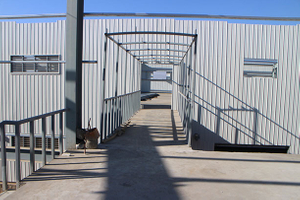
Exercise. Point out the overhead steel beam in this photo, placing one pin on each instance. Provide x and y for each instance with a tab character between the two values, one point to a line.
162	63
36	16
159	57
113	40
152	55
43	61
173	50
189	47
146	15
155	59
195	16
73	70
144	42
150	32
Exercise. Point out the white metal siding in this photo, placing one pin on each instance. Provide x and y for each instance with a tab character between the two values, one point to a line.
25	169
221	50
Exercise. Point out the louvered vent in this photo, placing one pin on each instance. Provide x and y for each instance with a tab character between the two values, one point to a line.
25	142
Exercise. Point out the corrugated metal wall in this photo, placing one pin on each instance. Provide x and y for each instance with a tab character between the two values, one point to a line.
23	96
27	95
25	169
221	50
220	83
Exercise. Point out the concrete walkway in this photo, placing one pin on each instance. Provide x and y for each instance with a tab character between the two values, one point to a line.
151	161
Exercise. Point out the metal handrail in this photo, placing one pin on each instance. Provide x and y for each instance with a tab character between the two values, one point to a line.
183	96
267	118
231	119
122	95
31	121
116	111
23	121
252	109
197	73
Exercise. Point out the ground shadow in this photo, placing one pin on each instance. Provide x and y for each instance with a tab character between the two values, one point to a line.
135	169
204	139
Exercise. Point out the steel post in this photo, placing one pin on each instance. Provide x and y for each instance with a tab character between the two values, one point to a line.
104	103
116	107
17	152
236	136
53	136
218	121
3	157
32	156
255	126
73	70
61	119
43	141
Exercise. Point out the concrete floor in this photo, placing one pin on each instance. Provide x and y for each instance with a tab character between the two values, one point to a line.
151	161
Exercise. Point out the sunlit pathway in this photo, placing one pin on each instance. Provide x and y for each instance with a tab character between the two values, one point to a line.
152	161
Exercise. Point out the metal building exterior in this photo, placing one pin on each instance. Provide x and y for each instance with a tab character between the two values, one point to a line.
237	107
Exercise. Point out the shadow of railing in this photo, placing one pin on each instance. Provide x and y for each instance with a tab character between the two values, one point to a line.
135	167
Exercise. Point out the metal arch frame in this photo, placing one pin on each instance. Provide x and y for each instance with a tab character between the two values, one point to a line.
167	63
129	51
144	42
149	49
161	58
158	62
151	32
154	55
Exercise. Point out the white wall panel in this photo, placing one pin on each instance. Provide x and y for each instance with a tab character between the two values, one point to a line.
221	50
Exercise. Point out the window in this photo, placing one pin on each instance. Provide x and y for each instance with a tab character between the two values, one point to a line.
159	75
35	66
260	68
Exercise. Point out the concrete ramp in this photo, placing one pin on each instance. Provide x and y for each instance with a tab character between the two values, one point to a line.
152	161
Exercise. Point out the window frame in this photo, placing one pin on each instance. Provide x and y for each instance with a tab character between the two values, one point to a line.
36	65
271	63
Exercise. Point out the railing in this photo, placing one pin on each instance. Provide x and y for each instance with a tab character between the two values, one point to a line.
184	103
237	123
117	110
257	114
31	122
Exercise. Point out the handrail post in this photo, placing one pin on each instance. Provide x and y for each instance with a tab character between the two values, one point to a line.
218	121
17	152
53	136
61	146
43	141
105	119
32	158
103	116
255	126
3	157
116	91
236	135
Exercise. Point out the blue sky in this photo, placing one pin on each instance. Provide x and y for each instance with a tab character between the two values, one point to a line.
271	8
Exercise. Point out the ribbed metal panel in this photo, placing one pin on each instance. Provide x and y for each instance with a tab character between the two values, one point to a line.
220	83
221	50
30	95
25	169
